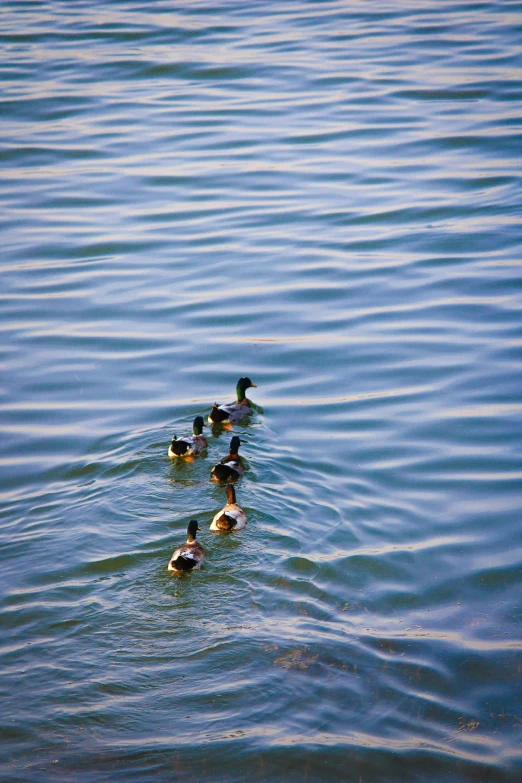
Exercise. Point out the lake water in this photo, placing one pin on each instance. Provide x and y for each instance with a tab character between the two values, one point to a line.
326	197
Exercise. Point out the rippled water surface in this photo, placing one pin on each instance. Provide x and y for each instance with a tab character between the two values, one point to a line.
324	196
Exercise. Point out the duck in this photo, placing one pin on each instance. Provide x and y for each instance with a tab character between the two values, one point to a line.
231	517
189	555
190	445
230	467
226	414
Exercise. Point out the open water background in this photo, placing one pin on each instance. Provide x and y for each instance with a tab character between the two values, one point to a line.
325	196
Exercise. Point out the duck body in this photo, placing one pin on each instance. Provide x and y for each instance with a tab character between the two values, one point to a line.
189	555
230	467
190	445
229	414
231	517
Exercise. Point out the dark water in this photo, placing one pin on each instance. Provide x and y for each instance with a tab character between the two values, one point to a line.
324	196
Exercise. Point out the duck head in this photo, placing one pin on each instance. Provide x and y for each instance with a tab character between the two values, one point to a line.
234	445
192	529
197	428
231	494
242	385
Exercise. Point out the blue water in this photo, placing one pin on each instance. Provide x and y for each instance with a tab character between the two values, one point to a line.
324	196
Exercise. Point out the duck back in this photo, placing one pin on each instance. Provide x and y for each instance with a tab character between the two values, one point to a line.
224	472
182	563
226	522
179	447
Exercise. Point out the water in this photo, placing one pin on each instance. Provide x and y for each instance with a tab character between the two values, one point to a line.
324	196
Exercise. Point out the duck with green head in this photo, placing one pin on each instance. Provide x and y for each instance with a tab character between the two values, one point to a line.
230	467
190	445
226	414
189	555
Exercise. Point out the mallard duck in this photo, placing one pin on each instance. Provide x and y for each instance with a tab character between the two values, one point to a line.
230	467
231	516
190	445
223	414
190	555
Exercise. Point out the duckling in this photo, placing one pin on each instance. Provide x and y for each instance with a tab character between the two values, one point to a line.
232	516
230	467
225	414
190	555
190	445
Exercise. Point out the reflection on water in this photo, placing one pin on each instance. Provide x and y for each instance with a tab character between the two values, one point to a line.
325	198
